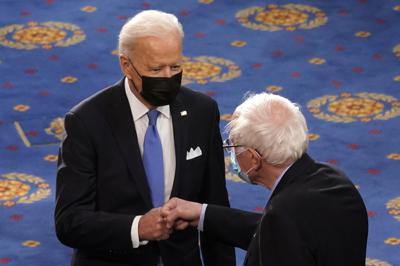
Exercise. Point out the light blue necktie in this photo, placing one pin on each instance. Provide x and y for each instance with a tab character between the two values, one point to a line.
153	160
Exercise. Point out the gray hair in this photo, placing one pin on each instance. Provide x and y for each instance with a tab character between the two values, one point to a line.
272	125
145	24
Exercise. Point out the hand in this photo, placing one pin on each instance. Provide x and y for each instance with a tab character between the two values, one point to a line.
179	213
152	226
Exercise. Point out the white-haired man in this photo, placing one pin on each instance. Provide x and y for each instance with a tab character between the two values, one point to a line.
314	216
132	146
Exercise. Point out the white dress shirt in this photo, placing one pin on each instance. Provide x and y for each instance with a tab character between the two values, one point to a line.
166	133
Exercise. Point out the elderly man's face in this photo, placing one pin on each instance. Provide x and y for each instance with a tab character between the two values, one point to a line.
155	57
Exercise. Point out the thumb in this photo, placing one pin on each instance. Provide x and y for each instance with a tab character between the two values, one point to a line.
168	206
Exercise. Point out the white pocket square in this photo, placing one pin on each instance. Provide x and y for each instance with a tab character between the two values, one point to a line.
191	154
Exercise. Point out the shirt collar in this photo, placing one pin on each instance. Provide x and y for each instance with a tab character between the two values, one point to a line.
140	109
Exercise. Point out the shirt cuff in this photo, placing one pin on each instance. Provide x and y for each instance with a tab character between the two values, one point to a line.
200	226
135	233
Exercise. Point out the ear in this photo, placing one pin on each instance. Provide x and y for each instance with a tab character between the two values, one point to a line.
124	64
256	159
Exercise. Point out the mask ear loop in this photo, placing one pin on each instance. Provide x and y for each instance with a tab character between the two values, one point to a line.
134	68
254	151
252	168
248	171
131	80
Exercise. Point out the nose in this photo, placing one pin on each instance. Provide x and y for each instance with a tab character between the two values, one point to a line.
167	72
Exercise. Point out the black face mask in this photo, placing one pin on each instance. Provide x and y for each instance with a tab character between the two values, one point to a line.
160	91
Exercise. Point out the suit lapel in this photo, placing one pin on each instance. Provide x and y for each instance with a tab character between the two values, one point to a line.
119	117
180	116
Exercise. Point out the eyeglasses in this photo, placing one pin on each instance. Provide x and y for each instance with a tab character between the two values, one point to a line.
228	145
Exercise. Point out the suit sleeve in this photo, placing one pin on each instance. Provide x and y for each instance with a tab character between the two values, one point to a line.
231	226
77	222
215	252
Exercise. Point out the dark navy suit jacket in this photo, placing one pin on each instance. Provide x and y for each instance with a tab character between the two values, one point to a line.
102	185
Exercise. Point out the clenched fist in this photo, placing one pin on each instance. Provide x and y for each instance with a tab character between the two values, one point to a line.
179	213
153	227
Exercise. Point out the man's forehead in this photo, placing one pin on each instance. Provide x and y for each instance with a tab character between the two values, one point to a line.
158	51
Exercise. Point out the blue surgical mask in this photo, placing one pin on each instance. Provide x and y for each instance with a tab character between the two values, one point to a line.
236	167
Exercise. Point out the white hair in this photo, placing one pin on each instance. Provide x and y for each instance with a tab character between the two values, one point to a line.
272	125
145	24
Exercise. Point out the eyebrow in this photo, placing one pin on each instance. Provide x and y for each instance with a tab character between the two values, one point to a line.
163	65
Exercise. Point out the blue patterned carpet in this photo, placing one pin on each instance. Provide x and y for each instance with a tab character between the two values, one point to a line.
339	59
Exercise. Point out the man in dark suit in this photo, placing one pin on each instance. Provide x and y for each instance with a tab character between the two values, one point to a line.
314	216
131	147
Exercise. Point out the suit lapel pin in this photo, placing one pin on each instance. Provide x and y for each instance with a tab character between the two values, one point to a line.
183	113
